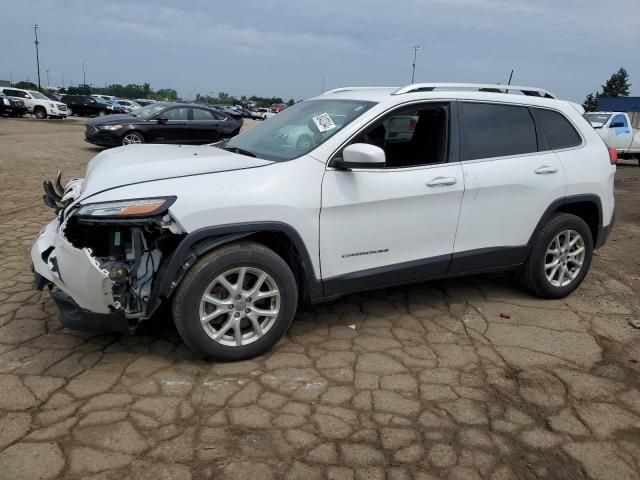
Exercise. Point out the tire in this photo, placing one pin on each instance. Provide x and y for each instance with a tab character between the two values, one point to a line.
189	304
132	138
101	113
69	112
40	113
538	275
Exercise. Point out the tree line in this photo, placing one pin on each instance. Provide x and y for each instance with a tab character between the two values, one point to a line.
616	86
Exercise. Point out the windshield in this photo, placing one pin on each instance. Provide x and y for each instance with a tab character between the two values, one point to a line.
39	96
298	129
597	117
149	111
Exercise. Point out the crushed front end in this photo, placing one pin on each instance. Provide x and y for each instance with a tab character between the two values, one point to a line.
101	260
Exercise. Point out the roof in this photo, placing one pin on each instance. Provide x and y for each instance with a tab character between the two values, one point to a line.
619	104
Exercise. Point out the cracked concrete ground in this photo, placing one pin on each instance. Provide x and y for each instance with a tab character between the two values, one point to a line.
423	382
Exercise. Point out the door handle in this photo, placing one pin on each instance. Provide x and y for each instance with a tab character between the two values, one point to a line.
441	181
545	170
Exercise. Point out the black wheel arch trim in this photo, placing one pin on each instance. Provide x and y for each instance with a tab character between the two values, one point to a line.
569	200
203	240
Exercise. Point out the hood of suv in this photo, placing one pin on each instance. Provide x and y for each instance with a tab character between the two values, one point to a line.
142	163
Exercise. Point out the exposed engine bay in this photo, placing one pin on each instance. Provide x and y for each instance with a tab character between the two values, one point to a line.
131	253
115	260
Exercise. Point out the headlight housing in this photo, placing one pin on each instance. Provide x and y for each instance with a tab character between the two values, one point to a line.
110	127
126	209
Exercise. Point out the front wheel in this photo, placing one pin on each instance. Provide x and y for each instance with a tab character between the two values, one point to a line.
40	113
101	113
236	302
560	257
132	138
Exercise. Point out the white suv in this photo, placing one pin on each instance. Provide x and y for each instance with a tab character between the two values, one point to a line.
39	105
236	235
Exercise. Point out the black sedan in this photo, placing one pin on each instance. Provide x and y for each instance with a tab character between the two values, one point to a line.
162	123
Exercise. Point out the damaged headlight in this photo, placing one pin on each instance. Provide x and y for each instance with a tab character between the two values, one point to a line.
136	208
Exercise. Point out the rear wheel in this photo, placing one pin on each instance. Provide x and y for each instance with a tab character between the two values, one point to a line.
132	138
40	113
560	257
236	302
101	113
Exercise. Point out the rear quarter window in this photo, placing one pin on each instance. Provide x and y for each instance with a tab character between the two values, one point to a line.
559	131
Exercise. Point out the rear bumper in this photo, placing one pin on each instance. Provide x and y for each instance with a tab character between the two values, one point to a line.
73	316
605	231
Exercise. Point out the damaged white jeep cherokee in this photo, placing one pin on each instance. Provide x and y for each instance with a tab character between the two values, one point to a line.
357	189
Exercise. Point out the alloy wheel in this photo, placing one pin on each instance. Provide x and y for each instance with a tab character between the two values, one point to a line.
240	306
131	138
564	258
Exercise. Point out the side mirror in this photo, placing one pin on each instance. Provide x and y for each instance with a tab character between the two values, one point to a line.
616	125
162	120
360	155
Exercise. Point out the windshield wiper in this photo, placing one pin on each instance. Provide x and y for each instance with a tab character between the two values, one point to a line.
241	151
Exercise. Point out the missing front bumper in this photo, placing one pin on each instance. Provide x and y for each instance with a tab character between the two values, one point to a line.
73	316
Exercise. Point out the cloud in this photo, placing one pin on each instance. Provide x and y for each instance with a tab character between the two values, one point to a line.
285	47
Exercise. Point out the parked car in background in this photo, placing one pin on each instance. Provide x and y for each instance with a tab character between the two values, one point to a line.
12	106
162	123
109	98
234	237
52	96
39	105
278	107
128	105
144	101
229	111
85	105
262	114
616	131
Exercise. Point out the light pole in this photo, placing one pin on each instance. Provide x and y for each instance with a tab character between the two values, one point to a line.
415	53
35	31
47	78
84	76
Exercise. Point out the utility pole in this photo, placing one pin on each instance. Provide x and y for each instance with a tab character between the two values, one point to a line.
323	84
415	53
84	76
35	31
47	78
510	77
62	76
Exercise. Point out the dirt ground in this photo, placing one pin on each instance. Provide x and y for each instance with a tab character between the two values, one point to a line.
423	382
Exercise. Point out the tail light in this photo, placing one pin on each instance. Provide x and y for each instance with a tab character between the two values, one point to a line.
613	155
412	124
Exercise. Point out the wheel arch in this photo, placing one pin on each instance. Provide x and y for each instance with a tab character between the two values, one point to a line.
587	206
280	237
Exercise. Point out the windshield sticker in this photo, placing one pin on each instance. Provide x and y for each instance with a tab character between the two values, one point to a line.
324	122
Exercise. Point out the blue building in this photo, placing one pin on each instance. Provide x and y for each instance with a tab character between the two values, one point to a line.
630	105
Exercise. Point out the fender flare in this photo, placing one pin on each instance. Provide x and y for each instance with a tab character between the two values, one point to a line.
572	199
203	240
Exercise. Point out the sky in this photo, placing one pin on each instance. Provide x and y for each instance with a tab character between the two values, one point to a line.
290	48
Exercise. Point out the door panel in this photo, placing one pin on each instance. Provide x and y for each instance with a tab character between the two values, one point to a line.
505	198
379	218
173	129
620	137
204	126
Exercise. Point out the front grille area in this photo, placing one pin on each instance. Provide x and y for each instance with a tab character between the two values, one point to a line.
62	108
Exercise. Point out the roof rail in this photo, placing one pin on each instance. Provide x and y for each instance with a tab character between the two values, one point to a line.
480	87
350	89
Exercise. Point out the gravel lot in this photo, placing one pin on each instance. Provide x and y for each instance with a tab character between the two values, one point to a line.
423	382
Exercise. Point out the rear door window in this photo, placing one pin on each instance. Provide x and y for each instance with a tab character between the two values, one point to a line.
558	130
494	130
202	114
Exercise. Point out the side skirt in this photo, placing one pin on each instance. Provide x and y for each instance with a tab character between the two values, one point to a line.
486	260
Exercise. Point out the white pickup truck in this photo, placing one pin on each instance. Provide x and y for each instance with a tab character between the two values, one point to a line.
615	128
